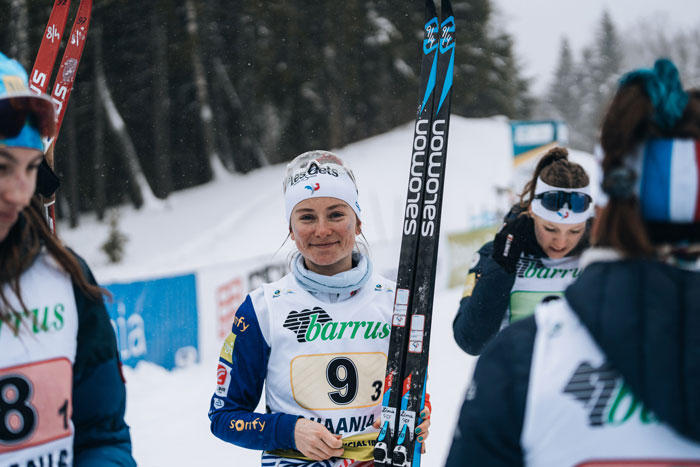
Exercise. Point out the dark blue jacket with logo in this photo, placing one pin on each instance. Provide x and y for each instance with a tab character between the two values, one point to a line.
645	317
482	309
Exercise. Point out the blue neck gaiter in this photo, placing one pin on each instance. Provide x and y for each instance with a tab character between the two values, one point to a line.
341	283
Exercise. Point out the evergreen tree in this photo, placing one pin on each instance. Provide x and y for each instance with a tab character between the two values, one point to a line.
564	92
583	134
581	90
487	79
650	40
607	64
283	77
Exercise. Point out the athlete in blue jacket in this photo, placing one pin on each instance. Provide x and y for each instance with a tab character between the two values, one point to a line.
316	339
533	256
610	375
63	395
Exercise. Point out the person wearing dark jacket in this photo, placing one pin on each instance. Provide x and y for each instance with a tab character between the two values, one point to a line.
62	395
533	256
610	375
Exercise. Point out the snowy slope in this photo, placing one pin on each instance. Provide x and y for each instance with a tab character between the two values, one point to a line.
240	217
243	216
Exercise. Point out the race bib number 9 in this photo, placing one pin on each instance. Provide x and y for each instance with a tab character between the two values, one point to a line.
338	381
35	404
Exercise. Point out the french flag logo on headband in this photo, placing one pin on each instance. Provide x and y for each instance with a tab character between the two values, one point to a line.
669	189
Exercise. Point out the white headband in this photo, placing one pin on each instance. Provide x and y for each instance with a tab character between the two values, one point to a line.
320	181
565	215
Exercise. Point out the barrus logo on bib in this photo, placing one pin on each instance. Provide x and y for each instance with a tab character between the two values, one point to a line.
310	325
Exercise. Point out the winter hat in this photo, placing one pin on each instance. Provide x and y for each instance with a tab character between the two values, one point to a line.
25	116
319	174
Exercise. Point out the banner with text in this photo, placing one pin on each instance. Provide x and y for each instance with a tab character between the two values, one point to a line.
220	291
156	320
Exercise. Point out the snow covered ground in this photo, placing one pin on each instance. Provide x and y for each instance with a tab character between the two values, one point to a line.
239	217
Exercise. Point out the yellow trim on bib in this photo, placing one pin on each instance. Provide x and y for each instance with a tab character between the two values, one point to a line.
359	447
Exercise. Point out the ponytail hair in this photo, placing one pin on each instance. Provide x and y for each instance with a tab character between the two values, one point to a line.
630	120
554	168
23	243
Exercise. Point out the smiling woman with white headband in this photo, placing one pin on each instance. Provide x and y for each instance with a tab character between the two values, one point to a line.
317	338
533	256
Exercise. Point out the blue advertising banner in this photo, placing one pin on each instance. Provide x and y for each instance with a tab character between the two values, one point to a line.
156	321
531	136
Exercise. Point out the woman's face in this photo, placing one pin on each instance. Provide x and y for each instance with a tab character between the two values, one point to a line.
18	170
557	240
324	231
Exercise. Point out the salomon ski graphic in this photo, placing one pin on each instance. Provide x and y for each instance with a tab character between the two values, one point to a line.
410	331
397	341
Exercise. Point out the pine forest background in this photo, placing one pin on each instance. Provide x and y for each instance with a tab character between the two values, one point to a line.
170	94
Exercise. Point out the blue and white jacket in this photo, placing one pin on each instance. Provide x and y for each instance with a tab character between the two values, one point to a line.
320	354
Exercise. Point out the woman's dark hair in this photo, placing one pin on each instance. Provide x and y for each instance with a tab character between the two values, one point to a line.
555	169
628	122
18	251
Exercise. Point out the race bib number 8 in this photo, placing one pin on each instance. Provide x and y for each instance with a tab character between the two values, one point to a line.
35	404
338	381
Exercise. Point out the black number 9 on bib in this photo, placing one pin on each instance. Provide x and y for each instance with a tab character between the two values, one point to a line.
342	375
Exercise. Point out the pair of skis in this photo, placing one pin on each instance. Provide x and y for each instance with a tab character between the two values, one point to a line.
67	71
404	388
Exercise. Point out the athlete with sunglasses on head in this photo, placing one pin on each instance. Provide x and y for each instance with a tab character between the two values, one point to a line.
534	255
